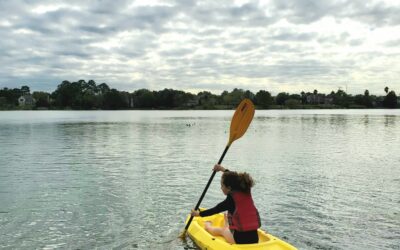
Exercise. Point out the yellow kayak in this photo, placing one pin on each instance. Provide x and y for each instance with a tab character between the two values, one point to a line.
207	241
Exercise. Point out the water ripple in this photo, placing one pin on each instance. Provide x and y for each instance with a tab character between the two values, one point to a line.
82	180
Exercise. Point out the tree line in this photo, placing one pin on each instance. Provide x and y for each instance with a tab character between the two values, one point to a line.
82	95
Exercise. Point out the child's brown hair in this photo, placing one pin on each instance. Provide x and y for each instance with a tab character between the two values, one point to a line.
242	182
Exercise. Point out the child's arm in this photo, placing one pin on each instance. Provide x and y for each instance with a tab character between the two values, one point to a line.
220	207
227	204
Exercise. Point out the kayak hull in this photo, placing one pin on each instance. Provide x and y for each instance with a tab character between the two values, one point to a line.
205	240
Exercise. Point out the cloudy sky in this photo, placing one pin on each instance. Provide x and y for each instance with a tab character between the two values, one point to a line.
275	45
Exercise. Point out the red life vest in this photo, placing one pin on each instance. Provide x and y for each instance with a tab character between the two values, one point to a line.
245	217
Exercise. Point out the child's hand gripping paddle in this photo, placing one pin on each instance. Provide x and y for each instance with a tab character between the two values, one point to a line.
240	122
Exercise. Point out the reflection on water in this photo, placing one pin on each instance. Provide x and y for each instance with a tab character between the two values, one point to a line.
127	179
390	120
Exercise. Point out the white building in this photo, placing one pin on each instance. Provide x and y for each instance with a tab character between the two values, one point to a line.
26	100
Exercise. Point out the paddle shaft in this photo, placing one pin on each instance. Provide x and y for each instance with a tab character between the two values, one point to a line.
207	186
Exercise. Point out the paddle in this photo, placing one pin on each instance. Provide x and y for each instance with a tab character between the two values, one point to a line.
240	122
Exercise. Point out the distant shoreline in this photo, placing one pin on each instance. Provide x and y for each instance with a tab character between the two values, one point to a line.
194	109
82	95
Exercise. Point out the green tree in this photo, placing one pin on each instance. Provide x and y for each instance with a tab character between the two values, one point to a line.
3	102
359	100
25	90
165	98
14	95
113	99
340	98
91	95
180	98
303	97
281	98
42	99
295	97
233	98
10	97
248	94
390	100
292	103
207	100
68	94
103	88
88	100
91	86
367	99
144	98
263	98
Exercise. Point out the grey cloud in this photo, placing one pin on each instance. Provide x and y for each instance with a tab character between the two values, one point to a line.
107	7
292	36
296	68
73	53
338	40
392	43
12	7
242	46
308	11
377	14
137	46
286	48
288	69
50	23
218	87
120	84
282	71
356	42
209	32
216	40
248	15
206	42
102	22
241	40
176	52
148	18
98	30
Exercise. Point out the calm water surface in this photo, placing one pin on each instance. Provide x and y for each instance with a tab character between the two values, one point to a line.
325	179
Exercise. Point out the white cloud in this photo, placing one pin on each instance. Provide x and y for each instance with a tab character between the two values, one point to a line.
202	45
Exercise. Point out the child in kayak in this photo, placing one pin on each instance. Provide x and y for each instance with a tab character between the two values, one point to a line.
243	218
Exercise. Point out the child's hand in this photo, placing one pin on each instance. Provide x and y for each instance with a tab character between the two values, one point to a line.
218	167
195	213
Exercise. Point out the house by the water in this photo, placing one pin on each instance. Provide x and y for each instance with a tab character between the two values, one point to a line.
26	100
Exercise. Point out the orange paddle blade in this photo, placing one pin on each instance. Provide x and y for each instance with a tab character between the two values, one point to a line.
241	120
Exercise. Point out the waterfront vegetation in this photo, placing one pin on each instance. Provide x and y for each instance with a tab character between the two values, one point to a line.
82	95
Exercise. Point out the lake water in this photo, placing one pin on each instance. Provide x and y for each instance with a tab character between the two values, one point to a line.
325	179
